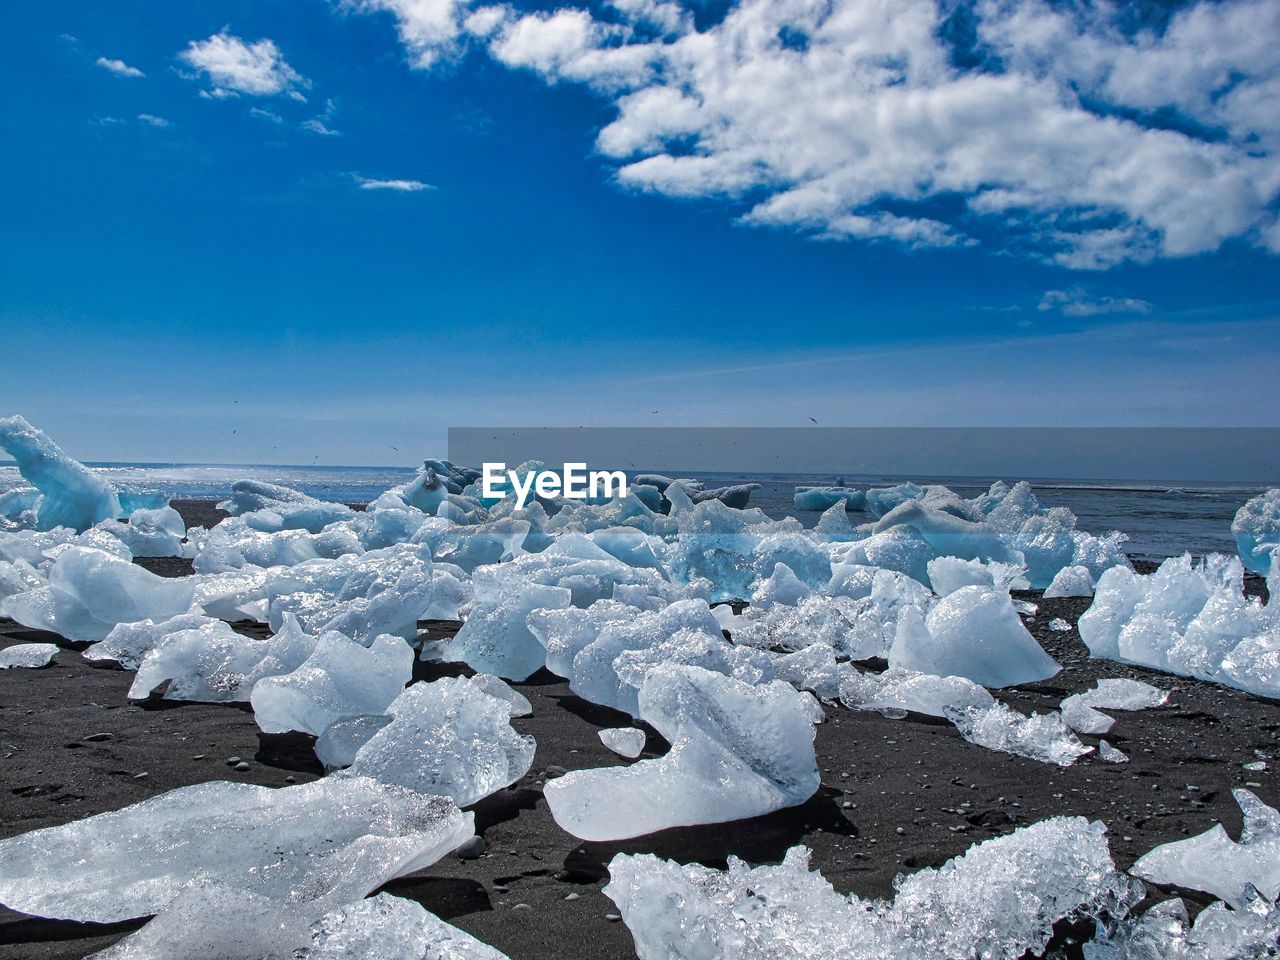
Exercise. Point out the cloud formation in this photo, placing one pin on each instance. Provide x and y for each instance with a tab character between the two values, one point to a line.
119	67
1077	302
1082	135
152	120
400	186
234	66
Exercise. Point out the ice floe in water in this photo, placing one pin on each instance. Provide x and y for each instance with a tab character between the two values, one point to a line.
29	655
1256	528
971	633
450	737
291	845
71	495
1190	618
1216	864
340	678
737	751
824	498
998	901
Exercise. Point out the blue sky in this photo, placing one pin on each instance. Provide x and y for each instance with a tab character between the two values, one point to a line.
193	269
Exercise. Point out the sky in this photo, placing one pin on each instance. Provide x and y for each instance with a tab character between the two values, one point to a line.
282	231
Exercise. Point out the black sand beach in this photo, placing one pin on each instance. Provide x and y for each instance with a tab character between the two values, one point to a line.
896	795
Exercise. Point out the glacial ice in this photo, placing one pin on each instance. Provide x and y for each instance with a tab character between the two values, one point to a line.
737	751
998	901
1215	863
1080	711
71	495
1166	931
269	507
392	928
291	845
1074	581
948	574
1041	736
1187	618
495	639
210	663
129	643
449	738
824	498
901	690
1110	754
150	533
341	678
624	741
30	655
1256	528
971	633
341	741
90	591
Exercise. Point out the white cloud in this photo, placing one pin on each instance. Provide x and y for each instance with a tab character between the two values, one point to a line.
153	120
1086	143
234	66
119	67
317	126
400	186
1077	302
265	115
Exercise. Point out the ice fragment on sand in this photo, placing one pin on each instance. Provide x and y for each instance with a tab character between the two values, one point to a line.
71	495
495	638
1080	710
999	900
1215	863
341	678
450	738
288	844
495	687
128	643
624	741
1110	754
392	928
1256	528
1059	625
897	689
971	633
27	655
1075	581
737	751
1042	737
1219	933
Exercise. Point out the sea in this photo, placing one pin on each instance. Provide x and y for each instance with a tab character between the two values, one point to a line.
1161	519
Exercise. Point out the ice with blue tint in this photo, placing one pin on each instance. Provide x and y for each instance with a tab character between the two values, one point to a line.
1080	711
18	576
880	500
824	498
1216	864
233	544
973	633
897	690
1000	900
1256	528
71	495
150	533
129	643
448	738
495	638
28	655
1075	581
336	836
737	751
341	678
949	574
90	591
834	526
470	547
1166	930
341	741
949	535
1190	618
899	548
269	507
624	741
566	631
1041	736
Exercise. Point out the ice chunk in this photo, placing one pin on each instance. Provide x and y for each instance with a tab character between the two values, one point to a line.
1219	933
898	548
449	737
737	751
949	535
495	638
1075	581
902	690
150	533
287	844
824	498
341	678
91	591
392	928
1215	863
834	526
71	495
1042	737
1256	528
1059	625
341	741
28	655
999	901
269	507
1110	754
1079	715
495	687
1079	711
971	633
566	631
128	643
624	741
880	500
949	574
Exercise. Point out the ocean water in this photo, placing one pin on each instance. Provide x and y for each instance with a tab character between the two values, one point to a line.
1161	519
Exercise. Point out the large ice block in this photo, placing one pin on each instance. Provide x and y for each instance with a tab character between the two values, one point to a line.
71	495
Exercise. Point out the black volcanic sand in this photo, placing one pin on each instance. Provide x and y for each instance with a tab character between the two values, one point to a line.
536	893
